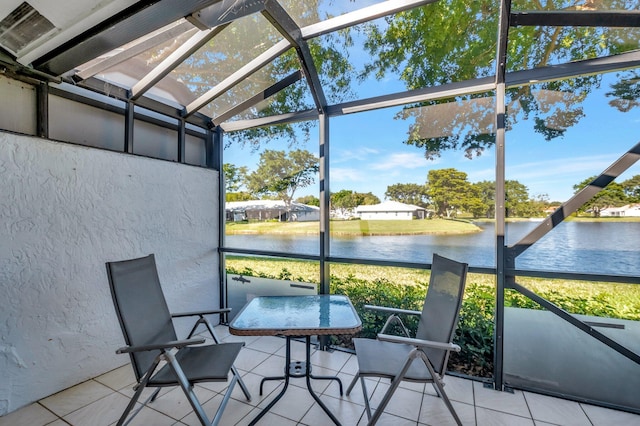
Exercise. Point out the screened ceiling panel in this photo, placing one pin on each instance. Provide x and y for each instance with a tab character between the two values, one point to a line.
246	89
540	46
129	72
427	46
294	98
306	13
463	119
161	41
231	49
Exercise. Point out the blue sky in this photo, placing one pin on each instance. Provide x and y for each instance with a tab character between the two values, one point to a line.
367	153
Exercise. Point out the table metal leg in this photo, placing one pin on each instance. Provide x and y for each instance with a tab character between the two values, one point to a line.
284	388
313	394
297	369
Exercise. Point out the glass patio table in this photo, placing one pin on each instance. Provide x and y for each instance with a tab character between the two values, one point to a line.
297	316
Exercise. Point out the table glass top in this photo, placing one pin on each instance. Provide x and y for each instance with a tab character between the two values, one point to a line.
279	313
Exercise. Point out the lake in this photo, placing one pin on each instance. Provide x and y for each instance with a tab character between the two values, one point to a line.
587	247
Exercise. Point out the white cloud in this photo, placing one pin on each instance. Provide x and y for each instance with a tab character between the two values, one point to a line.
346	155
403	161
341	175
580	167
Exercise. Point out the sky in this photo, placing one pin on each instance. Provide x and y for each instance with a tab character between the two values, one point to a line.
367	152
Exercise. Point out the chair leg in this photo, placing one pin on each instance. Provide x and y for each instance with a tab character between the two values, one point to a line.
244	388
140	387
365	393
394	385
154	395
188	390
353	383
439	386
225	399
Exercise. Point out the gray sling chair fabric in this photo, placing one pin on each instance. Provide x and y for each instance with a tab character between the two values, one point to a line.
151	340
423	358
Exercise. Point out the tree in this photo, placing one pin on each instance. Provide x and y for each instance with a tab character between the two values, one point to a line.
486	193
449	190
309	200
517	199
238	196
626	92
460	45
346	200
281	174
408	193
366	198
631	189
234	177
611	195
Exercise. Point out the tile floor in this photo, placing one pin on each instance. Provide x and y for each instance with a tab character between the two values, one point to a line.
101	400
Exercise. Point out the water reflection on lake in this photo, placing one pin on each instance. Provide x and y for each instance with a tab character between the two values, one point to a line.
590	247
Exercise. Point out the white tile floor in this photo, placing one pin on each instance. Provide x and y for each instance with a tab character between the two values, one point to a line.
100	401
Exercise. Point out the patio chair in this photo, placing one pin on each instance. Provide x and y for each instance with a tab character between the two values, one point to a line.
423	358
158	358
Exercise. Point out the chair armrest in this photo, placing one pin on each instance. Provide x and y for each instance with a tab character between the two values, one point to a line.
419	342
199	313
159	346
389	310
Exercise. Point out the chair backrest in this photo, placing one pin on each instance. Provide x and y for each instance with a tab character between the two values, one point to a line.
442	304
141	307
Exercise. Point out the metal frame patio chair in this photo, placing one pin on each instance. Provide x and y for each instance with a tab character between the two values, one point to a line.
393	357
158	358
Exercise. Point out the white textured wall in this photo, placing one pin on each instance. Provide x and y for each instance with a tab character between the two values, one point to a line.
66	210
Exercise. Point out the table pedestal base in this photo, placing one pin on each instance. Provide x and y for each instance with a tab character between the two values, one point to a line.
298	369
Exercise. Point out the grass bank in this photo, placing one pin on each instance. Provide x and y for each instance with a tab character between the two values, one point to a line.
357	227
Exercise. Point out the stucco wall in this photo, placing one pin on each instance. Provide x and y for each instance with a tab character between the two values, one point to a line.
66	210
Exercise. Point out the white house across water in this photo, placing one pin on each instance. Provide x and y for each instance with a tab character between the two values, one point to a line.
391	210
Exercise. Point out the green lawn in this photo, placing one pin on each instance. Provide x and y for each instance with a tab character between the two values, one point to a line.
357	227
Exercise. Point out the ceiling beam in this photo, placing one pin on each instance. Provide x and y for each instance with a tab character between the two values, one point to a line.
281	20
577	18
444	91
265	94
574	69
224	12
360	16
292	117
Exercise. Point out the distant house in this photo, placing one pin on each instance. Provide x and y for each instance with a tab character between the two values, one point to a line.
549	210
391	210
630	210
260	210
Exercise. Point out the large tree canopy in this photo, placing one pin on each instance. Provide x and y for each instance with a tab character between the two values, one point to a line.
448	190
454	40
408	193
281	173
